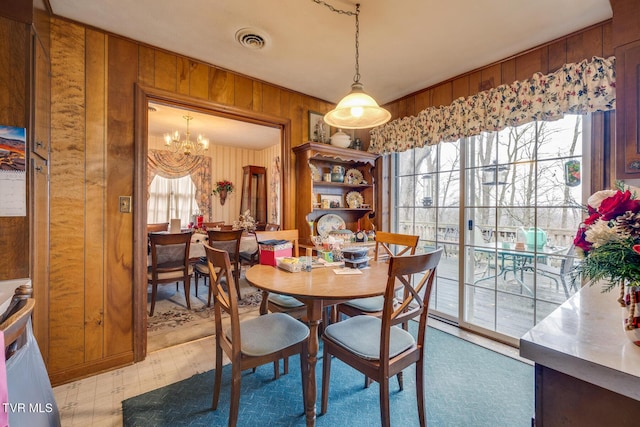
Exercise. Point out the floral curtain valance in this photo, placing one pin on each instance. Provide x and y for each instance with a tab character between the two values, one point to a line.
587	86
170	165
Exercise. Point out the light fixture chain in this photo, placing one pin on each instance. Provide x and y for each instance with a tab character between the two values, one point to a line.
333	9
356	78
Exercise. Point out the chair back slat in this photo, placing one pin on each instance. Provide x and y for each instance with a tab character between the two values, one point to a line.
387	242
402	269
290	235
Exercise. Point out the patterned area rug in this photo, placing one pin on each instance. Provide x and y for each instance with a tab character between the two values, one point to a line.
172	323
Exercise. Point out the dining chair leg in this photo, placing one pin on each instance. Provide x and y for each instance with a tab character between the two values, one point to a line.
400	382
154	292
420	392
304	372
384	402
276	369
285	366
234	405
187	291
264	304
217	378
196	277
236	277
326	374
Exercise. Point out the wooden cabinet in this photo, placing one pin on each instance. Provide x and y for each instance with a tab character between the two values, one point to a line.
254	192
313	161
626	42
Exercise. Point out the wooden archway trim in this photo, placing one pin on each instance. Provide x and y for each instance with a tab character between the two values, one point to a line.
142	97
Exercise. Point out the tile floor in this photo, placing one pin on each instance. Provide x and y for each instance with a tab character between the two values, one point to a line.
97	401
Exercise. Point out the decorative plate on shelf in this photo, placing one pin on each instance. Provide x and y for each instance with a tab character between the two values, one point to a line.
315	173
353	176
354	199
328	223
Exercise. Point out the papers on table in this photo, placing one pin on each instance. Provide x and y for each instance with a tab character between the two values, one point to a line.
347	271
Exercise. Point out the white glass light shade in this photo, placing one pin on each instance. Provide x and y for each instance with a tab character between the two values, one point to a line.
357	110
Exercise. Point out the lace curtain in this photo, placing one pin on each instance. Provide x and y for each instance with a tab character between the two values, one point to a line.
170	165
580	88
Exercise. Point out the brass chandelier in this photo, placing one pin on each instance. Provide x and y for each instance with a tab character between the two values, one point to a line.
186	146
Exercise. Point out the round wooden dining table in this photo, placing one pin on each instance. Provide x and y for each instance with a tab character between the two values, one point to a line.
316	289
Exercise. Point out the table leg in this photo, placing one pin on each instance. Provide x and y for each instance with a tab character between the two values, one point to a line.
314	313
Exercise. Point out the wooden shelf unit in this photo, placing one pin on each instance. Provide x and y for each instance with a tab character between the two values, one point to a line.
324	157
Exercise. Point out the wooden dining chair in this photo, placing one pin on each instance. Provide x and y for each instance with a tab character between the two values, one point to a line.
375	346
252	342
169	263
226	240
154	228
215	224
14	324
387	244
275	302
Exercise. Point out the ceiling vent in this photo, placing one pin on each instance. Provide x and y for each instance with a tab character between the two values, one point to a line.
251	38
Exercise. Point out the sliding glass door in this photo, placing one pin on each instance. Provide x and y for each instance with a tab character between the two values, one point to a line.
504	206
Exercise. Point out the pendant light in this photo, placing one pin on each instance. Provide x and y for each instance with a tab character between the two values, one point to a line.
356	110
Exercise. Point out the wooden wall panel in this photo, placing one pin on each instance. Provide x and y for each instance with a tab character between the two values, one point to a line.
422	100
14	47
508	69
67	189
199	80
183	75
532	62
243	95
442	94
584	45
96	57
460	88
557	55
165	71
146	66
271	100
221	86
256	102
122	73
490	77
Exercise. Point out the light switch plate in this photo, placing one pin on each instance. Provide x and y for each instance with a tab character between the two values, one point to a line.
125	204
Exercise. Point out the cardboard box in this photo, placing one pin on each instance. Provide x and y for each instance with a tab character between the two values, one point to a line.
269	252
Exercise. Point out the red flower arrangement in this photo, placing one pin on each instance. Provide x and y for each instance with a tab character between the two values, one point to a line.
223	185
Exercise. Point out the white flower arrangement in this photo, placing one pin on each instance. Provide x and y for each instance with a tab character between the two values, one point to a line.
245	221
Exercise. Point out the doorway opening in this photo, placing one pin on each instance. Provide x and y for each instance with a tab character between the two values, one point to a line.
241	125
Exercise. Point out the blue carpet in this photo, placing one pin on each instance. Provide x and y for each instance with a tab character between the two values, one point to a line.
465	385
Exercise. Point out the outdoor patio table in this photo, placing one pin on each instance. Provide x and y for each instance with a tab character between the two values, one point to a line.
514	260
316	289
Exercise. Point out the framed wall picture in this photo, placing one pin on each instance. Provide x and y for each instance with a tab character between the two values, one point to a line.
331	201
318	129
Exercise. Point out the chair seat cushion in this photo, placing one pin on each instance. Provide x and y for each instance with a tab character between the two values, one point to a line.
361	336
368	305
178	275
204	268
269	333
284	301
